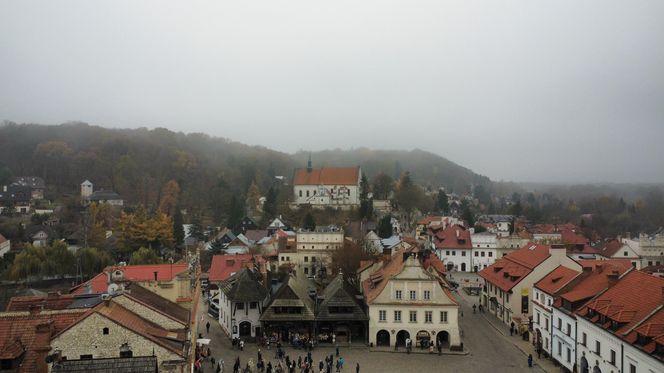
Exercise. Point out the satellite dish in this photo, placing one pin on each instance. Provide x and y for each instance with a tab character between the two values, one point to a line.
113	288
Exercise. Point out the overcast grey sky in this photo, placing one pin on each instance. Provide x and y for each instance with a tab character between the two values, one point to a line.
516	90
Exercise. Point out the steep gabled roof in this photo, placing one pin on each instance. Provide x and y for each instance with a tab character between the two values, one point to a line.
174	341
634	297
244	286
509	270
339	294
556	279
52	302
158	303
294	293
327	176
454	237
29	334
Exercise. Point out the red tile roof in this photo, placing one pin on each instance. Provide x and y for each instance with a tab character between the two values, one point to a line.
172	340
429	219
653	328
509	270
223	266
609	248
631	300
23	332
572	237
24	303
593	280
327	176
137	273
453	237
556	279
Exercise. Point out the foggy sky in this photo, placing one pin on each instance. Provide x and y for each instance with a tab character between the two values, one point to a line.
568	91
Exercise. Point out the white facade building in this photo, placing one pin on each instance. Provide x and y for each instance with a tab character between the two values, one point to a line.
313	250
327	187
484	250
241	300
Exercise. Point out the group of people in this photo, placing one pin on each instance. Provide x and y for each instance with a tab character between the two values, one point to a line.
285	364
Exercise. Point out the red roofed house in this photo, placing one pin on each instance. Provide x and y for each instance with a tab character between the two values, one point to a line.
111	330
622	328
171	281
597	276
224	266
25	337
508	282
544	293
409	298
453	246
323	187
617	248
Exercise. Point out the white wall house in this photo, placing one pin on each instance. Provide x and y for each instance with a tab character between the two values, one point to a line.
327	187
621	332
544	294
313	250
453	246
241	300
407	301
484	250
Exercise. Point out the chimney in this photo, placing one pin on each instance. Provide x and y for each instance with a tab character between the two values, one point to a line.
613	277
34	309
599	268
557	251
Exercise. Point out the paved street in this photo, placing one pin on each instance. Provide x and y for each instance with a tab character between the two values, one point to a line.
490	351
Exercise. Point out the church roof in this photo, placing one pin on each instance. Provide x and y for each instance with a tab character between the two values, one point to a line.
327	176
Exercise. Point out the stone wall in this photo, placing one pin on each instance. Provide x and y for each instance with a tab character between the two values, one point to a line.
148	313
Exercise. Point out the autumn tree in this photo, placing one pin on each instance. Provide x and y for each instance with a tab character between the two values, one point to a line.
253	201
63	261
92	260
139	229
144	255
170	194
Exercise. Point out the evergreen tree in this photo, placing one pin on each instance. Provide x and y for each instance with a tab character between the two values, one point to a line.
235	213
309	222
385	227
196	228
178	230
467	214
442	202
216	247
366	204
270	207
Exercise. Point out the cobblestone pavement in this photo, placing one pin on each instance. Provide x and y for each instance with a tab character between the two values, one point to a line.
490	351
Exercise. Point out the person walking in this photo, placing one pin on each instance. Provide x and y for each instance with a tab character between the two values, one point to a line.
207	327
530	361
241	345
337	350
357	368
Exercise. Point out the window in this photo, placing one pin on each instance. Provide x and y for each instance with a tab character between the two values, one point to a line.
413	294
625	253
612	359
398	294
560	348
537	316
569	329
453	253
307	193
397	316
428	317
463	253
568	357
253	305
300	193
632	368
382	315
476	253
427	294
443	316
413	316
239	306
86	357
105	331
560	324
546	324
447	252
306	270
313	259
482	254
583	339
490	254
598	348
306	259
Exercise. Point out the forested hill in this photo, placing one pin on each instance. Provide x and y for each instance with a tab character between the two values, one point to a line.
138	162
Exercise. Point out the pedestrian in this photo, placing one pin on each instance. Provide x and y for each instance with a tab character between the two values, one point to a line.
337	350
539	353
474	307
207	327
357	368
512	328
260	356
241	345
530	361
212	361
